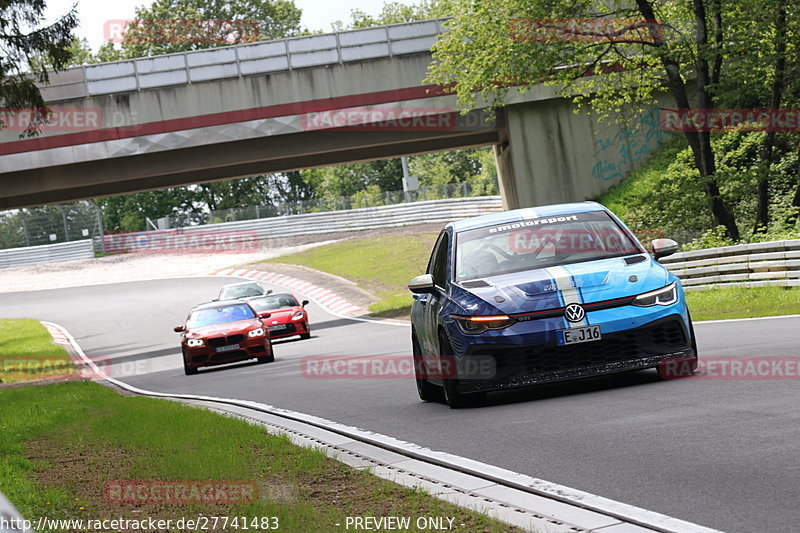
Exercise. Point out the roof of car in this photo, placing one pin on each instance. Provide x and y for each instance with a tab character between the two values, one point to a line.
516	215
217	303
251	282
270	295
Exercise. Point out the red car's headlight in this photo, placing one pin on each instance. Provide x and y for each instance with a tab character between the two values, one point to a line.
298	315
258	332
194	343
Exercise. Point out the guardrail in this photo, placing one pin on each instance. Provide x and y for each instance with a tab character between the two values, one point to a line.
253	234
11	519
743	265
243	60
46	253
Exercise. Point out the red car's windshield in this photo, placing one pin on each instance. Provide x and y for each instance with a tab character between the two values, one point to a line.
219	315
275	301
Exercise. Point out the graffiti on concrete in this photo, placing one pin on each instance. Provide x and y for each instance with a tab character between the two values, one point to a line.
619	154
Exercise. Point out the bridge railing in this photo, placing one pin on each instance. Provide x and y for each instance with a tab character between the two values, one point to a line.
743	265
243	60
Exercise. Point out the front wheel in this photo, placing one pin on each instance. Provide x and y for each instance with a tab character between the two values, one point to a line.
268	358
428	392
189	370
452	396
307	334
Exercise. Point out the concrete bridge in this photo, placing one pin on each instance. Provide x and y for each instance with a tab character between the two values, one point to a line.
291	104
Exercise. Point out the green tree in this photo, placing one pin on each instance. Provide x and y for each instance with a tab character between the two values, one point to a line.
24	41
169	26
396	13
128	212
640	48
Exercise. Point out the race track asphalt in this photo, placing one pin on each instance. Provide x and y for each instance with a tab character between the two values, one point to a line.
722	453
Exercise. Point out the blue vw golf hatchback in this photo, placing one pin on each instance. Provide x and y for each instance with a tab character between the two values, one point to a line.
544	294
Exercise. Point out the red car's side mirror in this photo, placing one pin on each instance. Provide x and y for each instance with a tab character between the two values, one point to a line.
178	329
264	315
305	303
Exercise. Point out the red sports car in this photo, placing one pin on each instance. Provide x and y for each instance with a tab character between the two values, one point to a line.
288	316
224	332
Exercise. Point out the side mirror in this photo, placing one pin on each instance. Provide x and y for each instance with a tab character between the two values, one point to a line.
178	329
422	284
264	315
663	248
304	303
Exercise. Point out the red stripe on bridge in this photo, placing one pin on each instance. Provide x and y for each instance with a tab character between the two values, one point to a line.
217	119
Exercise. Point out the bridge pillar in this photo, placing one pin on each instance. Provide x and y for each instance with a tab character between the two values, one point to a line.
548	154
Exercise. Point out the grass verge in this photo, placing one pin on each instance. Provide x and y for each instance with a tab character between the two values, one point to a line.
61	443
381	265
742	302
27	352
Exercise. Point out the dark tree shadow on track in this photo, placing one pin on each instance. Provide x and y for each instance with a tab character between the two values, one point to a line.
575	387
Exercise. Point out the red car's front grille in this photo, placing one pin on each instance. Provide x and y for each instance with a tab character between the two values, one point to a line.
216	342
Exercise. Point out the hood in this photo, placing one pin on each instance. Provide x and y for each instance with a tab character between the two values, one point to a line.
224	329
535	290
278	316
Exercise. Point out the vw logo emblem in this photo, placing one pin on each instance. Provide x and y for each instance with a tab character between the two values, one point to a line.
574	313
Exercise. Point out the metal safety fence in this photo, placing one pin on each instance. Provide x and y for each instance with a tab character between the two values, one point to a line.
759	264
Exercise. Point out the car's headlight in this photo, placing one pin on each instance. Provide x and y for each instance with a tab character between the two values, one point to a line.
664	296
194	342
258	332
479	324
298	315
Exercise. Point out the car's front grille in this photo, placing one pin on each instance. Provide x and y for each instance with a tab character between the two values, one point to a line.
229	356
216	342
662	338
290	328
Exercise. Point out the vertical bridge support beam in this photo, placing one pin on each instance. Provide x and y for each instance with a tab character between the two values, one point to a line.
548	154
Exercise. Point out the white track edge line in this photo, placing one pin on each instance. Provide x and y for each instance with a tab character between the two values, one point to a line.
547	489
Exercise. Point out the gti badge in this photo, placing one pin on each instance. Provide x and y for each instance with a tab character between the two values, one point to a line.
574	313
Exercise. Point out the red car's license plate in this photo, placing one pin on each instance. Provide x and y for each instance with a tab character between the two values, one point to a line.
229	348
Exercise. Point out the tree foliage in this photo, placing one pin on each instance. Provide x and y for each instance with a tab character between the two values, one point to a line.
396	13
169	26
619	59
29	49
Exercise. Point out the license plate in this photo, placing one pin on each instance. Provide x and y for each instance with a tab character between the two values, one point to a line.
229	348
277	327
577	335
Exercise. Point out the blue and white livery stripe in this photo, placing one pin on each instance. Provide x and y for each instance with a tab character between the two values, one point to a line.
567	290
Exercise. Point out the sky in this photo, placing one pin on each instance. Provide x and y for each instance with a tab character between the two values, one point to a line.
93	14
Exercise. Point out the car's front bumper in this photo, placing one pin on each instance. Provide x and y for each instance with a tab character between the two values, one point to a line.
645	346
292	328
207	355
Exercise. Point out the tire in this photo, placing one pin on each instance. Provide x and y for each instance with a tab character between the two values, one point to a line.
307	334
454	398
189	370
428	392
268	358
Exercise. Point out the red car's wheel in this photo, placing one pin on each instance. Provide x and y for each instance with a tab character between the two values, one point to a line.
307	334
189	370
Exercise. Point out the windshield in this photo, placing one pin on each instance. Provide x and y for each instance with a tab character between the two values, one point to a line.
219	315
540	243
277	301
240	291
